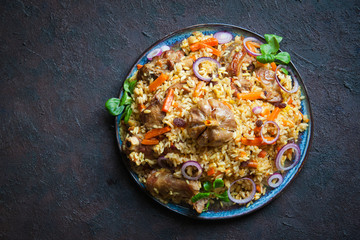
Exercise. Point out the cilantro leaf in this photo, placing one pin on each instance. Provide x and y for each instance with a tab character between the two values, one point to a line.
113	106
207	186
286	72
269	36
283	57
218	183
266	58
199	196
206	207
125	99
127	113
129	85
274	45
223	197
265	49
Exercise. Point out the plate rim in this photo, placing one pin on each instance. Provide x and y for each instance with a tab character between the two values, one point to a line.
198	216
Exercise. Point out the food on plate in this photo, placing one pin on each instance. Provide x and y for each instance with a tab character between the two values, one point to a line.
212	121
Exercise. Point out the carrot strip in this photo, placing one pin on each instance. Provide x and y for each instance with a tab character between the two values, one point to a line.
139	66
252	46
262	154
227	104
258	188
168	100
243	154
198	88
265	112
273	65
209	42
160	80
250	96
256	142
156	132
141	107
199	45
290	101
152	141
274	114
252	164
211	171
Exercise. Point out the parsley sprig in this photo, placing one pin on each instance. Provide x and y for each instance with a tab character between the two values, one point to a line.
116	106
209	192
269	51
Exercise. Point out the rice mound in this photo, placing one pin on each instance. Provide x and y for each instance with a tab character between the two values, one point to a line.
229	161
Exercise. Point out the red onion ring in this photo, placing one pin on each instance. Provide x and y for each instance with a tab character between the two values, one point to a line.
282	151
245	200
277	135
257	110
223	37
296	84
277	176
251	39
194	164
154	53
165	48
196	67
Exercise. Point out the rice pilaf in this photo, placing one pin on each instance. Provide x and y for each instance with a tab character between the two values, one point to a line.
218	124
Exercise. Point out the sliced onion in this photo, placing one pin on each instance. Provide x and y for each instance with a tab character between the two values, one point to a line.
165	48
223	37
257	110
245	200
194	164
277	134
296	84
277	176
251	39
154	53
196	67
281	153
162	161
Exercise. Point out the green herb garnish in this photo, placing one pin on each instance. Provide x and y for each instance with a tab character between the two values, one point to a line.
286	72
208	187
113	106
116	106
269	51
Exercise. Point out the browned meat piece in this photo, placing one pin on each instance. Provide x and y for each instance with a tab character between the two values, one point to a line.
133	143
160	64
149	71
155	116
162	182
200	205
234	68
171	57
228	55
211	123
268	82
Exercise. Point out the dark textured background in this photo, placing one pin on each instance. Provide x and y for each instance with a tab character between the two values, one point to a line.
61	177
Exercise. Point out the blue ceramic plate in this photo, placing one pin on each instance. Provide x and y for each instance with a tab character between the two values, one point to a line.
304	139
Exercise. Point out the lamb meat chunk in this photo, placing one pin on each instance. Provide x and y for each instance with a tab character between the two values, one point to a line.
200	204
133	144
155	116
149	71
211	123
162	182
171	57
268	82
160	64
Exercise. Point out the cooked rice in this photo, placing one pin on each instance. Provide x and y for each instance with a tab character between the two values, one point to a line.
226	159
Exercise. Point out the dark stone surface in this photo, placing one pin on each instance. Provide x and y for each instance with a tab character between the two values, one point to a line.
61	177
